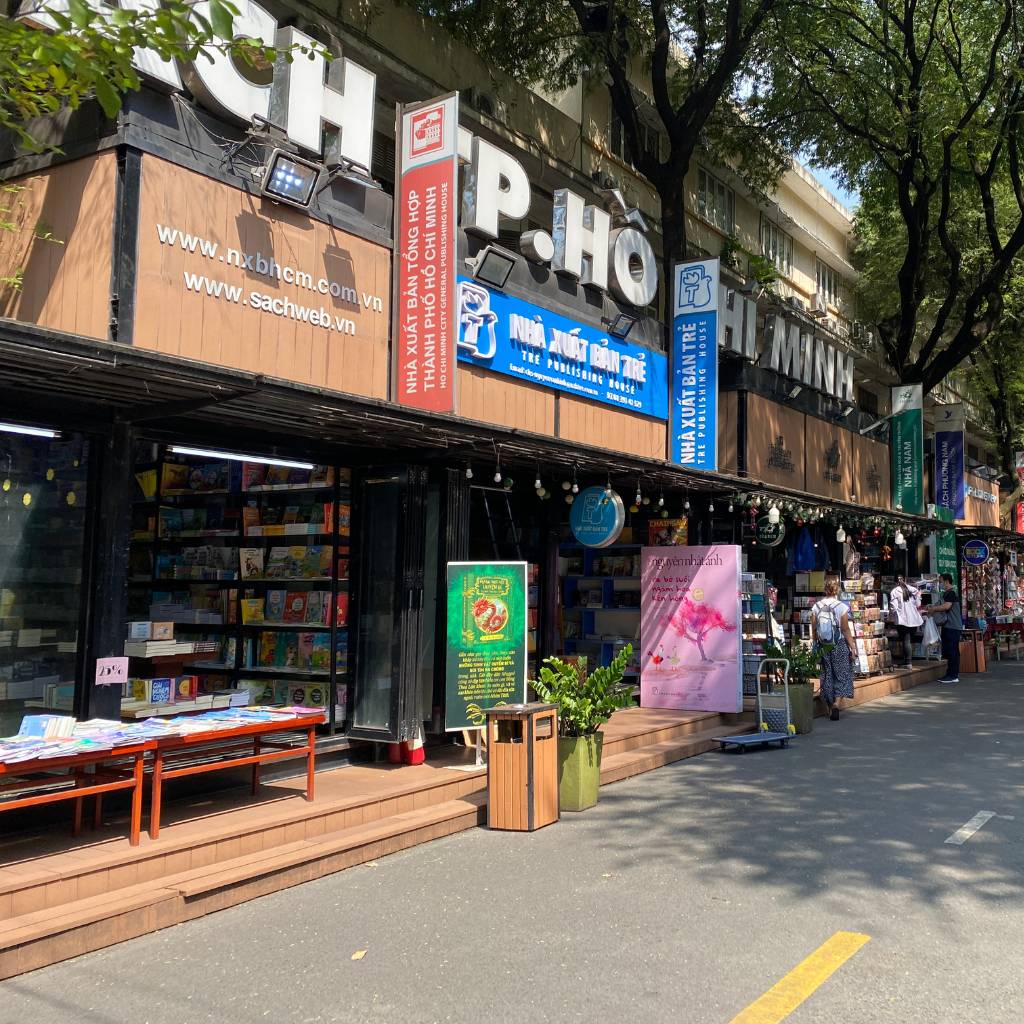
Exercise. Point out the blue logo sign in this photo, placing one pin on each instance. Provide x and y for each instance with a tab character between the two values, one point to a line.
597	518
508	335
976	552
949	471
694	417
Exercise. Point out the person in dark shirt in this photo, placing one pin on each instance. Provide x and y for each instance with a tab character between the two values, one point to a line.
952	624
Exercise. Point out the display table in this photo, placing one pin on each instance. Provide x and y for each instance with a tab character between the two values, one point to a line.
105	777
175	756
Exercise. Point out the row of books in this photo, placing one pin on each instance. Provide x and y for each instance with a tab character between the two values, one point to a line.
206	477
296	607
295	562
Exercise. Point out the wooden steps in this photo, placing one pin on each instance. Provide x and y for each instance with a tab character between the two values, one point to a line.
46	936
637	760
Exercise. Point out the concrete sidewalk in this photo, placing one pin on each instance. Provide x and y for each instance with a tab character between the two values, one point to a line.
682	897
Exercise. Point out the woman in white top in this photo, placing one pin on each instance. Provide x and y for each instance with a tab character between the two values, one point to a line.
904	613
834	642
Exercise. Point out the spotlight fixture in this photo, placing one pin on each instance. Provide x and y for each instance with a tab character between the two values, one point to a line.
349	170
845	411
492	265
620	325
290	179
795	390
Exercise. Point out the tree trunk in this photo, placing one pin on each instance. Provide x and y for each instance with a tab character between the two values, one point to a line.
673	237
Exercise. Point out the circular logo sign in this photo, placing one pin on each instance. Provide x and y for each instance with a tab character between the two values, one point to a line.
769	534
596	518
976	552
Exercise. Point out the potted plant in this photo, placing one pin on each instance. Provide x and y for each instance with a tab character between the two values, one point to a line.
804	665
585	701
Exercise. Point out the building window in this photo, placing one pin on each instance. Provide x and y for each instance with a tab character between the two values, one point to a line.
650	138
777	246
828	283
716	202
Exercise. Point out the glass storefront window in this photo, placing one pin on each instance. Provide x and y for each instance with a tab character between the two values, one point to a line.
43	502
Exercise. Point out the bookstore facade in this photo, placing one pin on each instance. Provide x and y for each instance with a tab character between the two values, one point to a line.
206	468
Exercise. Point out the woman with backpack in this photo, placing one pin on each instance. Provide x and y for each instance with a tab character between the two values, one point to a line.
834	642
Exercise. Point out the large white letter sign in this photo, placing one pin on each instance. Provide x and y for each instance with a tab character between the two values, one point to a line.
634	268
578	229
496	185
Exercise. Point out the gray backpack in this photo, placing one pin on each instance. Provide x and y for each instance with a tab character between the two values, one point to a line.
828	624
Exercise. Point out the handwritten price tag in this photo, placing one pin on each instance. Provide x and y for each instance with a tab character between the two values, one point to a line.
111	671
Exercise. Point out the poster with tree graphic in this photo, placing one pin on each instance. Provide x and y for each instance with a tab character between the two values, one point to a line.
691	628
486	649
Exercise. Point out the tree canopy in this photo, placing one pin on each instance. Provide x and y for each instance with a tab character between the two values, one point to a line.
919	104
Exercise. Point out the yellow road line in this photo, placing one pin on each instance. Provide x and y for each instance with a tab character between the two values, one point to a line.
808	975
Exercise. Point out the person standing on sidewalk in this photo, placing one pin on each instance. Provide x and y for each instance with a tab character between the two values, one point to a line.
834	642
904	605
952	624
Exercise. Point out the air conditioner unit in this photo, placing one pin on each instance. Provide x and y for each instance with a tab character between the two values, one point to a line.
796	303
488	104
819	305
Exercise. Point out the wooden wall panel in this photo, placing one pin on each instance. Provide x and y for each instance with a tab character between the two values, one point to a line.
728	430
775	444
870	476
490	398
222	322
66	281
601	426
976	511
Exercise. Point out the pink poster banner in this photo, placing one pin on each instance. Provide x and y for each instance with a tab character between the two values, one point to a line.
691	631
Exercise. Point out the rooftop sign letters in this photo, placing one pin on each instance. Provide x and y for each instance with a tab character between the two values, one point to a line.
794	351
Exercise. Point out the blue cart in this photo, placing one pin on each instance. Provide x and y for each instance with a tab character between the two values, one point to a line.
774	722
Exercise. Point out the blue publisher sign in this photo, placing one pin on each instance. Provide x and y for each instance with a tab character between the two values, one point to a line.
597	518
694	417
949	458
513	337
976	552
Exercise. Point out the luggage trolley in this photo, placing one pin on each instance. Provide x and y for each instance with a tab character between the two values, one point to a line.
774	723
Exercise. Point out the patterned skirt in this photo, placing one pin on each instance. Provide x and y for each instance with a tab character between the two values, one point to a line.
836	673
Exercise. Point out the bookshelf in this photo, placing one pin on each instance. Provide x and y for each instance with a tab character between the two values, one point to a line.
600	601
246	567
757	627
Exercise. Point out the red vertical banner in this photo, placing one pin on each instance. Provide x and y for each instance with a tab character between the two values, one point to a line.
426	244
1018	521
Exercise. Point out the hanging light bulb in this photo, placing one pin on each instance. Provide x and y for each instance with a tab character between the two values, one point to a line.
661	501
469	472
542	492
639	495
497	473
730	504
575	487
686	505
840	535
566	485
569	499
608	488
773	514
537	484
900	540
711	505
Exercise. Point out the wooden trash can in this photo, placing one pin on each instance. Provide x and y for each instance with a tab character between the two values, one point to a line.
522	766
972	652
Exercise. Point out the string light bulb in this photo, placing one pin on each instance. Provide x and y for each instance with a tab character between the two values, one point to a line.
841	535
773	514
661	501
469	472
711	505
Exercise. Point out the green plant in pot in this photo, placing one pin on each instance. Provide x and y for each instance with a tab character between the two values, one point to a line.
585	702
804	666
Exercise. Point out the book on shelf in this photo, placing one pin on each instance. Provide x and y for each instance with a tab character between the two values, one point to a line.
146	480
340	608
318	603
250	519
251	562
275	605
295	607
252	610
253	475
322	476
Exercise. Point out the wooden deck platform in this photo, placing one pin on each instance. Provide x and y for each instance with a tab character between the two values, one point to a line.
61	897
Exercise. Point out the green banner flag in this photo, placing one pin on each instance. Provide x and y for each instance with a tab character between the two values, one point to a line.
946	560
908	448
486	649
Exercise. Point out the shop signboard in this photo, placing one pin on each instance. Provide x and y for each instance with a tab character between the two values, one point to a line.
942	545
691	628
908	448
976	552
486	640
769	534
511	336
597	517
693	430
949	458
426	238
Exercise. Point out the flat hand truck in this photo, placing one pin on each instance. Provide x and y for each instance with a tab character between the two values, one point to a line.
774	723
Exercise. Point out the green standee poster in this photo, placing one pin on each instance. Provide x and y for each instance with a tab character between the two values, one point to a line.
945	546
486	648
908	448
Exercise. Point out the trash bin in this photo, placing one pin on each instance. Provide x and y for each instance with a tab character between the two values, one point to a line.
522	766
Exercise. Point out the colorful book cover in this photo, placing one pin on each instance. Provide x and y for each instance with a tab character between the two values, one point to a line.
250	518
174	477
344	519
252	610
250	561
342	568
268	649
295	607
341	608
228	648
162	691
305	650
291	514
193	520
277	476
186	688
146	479
253	475
230	607
141	690
287	653
319	651
322	476
279	565
275	605
171	522
316	607
211	476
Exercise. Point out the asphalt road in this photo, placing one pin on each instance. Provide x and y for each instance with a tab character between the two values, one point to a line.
685	895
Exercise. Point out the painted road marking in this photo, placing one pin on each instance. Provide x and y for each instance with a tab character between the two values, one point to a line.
801	982
965	831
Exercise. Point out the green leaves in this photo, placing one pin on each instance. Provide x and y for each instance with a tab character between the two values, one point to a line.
222	19
584	702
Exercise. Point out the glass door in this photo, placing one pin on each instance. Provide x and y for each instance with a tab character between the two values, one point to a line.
389	522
